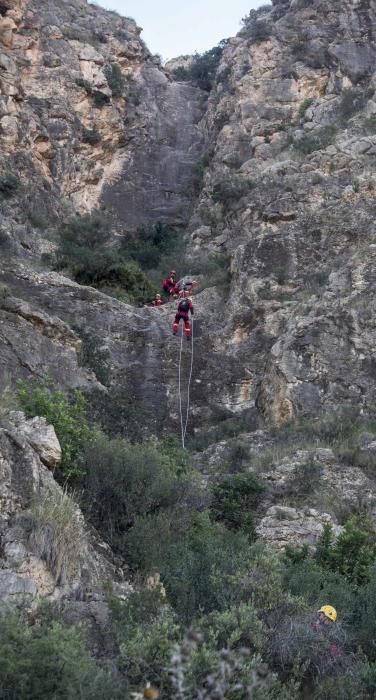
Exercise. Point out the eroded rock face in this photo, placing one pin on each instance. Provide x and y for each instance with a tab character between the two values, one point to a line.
40	436
27	567
84	107
289	195
283	526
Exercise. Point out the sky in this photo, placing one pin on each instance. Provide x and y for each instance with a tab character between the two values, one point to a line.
177	27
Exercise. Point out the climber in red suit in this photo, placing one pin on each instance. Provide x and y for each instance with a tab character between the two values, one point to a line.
170	285
184	307
157	301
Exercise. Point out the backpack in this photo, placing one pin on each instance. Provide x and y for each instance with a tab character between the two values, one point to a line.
184	305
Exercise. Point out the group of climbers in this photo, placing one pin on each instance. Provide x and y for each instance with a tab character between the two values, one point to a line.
181	292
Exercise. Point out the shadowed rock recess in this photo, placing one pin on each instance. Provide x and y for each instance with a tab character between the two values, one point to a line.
285	145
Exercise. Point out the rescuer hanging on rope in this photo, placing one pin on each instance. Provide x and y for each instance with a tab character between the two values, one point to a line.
184	307
170	285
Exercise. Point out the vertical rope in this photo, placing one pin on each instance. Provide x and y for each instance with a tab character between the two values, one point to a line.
189	384
180	403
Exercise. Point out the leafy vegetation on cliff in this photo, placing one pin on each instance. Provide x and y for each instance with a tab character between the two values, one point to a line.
201	70
85	249
208	573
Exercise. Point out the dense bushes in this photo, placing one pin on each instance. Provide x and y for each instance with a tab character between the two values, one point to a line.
85	249
352	101
231	190
115	79
233	500
258	31
256	25
117	413
9	183
124	482
93	354
243	602
149	244
202	70
50	661
315	140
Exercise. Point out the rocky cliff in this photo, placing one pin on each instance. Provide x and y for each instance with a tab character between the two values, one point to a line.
286	144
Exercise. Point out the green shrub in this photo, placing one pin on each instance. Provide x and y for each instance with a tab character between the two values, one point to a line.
316	140
9	184
203	68
352	553
207	567
37	219
77	34
67	417
52	662
91	136
84	249
199	671
258	31
115	79
355	679
92	354
263	8
149	244
305	105
306	478
100	98
236	455
231	190
117	413
226	427
4	291
352	101
307	580
91	231
125	481
317	179
85	84
234	499
364	615
146	631
370	124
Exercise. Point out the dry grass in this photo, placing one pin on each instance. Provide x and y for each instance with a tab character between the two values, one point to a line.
56	533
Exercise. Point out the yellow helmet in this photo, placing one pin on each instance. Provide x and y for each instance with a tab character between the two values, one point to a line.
329	612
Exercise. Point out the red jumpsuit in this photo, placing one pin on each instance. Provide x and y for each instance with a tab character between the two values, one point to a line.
157	302
333	649
170	286
185	306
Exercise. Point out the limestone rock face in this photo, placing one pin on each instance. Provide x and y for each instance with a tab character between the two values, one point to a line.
289	195
286	145
84	106
41	437
28	562
283	525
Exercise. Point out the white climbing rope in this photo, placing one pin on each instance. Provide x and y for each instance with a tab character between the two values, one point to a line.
180	401
189	383
184	426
